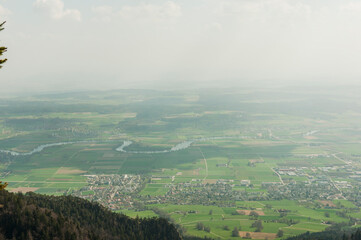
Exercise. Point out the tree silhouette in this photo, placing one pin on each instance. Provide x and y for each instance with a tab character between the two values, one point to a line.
235	232
3	185
2	49
35	216
258	225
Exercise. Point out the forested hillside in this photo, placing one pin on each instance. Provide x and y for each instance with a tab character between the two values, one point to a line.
349	234
35	216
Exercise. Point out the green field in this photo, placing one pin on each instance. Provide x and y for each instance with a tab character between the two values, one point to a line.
277	139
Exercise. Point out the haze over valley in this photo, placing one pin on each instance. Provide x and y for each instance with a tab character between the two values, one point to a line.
208	156
163	119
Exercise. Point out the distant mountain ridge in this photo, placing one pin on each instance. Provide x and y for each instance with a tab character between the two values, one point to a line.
35	216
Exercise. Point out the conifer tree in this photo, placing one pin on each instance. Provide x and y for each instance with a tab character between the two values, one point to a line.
2	49
235	232
3	185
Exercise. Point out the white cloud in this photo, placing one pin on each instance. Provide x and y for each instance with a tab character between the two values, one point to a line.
168	10
259	7
351	7
55	10
103	13
351	10
197	40
4	12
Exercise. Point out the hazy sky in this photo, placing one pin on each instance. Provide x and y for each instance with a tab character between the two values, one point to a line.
101	44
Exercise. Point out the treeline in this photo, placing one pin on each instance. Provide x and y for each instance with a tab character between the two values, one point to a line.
33	124
348	234
44	107
197	238
35	216
6	157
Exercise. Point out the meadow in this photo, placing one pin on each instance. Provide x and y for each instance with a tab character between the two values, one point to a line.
247	135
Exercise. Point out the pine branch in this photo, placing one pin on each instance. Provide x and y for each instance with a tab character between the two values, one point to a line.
2	49
1	24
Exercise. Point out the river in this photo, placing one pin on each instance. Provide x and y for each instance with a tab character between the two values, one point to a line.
37	149
126	143
178	147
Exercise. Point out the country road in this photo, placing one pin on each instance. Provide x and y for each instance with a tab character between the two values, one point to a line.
205	162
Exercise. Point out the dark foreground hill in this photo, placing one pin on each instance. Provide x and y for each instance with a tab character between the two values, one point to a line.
35	216
349	234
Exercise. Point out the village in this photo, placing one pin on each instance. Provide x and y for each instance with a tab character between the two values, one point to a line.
123	191
113	191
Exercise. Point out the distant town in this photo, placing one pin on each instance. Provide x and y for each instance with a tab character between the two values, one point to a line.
122	191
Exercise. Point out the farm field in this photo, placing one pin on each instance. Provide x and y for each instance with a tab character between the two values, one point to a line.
211	163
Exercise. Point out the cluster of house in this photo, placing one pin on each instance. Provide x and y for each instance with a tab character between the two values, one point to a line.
113	191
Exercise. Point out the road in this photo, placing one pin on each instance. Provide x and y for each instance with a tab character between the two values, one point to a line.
205	163
279	176
335	156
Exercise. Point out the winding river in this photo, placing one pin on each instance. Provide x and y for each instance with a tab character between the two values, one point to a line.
178	147
37	149
126	143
